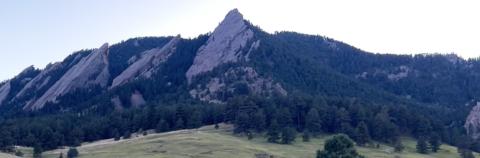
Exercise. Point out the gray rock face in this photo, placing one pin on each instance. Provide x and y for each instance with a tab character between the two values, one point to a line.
4	91
90	70
228	81
145	66
136	100
472	124
224	45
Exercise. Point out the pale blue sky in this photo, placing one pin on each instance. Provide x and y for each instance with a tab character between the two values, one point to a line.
36	32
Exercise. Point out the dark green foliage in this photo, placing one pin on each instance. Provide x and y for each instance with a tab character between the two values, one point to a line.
116	135
258	121
179	124
306	136
434	142
19	153
273	134
313	121
362	134
127	134
195	120
72	153
162	126
37	151
339	146
398	146
288	135
466	153
422	146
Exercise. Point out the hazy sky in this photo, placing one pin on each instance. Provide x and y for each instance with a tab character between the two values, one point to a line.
36	32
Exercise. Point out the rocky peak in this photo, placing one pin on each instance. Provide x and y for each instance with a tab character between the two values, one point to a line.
90	70
224	45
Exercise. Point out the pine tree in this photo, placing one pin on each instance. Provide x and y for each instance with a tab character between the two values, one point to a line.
398	146
196	120
127	134
72	153
313	121
284	117
422	146
273	134
242	123
288	135
258	121
306	136
362	134
162	126
180	124
434	142
37	151
116	135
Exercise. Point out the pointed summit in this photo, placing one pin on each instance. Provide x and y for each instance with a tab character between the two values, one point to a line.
233	15
224	45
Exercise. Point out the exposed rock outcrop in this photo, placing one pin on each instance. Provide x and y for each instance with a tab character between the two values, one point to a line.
89	71
224	45
472	124
4	91
237	80
147	64
137	100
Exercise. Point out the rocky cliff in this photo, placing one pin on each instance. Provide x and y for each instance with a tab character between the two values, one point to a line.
147	64
89	71
223	46
472	124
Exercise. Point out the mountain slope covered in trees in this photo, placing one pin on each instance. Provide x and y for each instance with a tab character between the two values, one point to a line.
283	82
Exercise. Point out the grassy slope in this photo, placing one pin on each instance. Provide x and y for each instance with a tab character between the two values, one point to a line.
209	143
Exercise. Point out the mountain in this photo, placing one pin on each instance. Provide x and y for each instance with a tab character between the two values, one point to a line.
240	59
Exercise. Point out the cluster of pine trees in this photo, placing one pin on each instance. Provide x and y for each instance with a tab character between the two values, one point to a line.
282	118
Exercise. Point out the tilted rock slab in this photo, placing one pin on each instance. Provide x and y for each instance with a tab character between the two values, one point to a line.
145	66
224	45
91	70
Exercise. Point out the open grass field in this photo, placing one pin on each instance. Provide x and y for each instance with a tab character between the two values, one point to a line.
208	142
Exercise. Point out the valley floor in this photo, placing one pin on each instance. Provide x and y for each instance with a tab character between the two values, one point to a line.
208	142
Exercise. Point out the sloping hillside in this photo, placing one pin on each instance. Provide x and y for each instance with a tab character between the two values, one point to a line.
208	142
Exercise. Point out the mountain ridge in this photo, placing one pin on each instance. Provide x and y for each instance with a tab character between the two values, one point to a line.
238	58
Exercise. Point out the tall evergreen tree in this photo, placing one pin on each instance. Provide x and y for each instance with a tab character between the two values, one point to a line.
398	146
115	134
37	151
273	134
422	146
180	124
195	120
288	135
313	121
306	136
242	123
434	142
258	121
363	135
162	126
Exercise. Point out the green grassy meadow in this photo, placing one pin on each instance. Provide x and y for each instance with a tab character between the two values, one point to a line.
208	142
